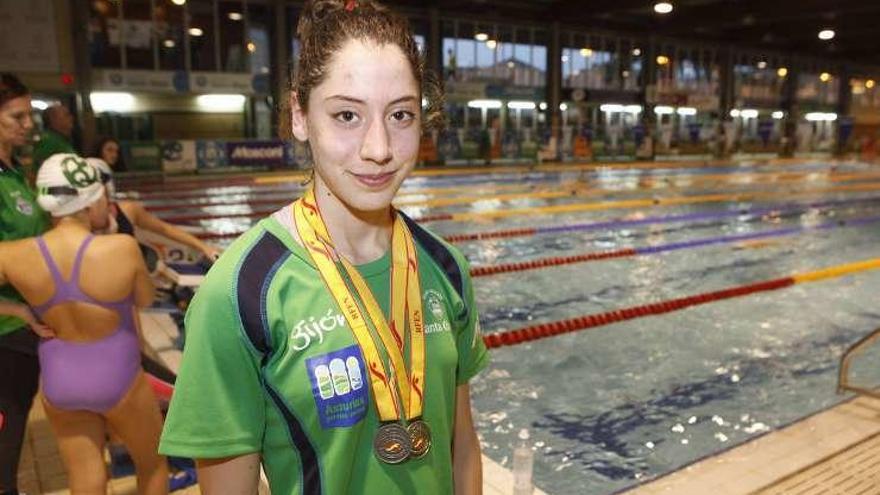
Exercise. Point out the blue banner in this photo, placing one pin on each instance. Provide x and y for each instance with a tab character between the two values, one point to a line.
267	153
211	154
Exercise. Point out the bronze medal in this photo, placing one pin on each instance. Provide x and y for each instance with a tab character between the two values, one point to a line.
420	438
392	443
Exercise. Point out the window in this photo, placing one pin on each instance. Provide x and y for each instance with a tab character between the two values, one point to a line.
233	47
104	48
170	36
136	34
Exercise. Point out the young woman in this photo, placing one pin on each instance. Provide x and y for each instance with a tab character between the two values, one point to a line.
107	149
128	215
86	289
333	343
20	217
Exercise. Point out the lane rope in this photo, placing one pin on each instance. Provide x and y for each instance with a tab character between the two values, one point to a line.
551	329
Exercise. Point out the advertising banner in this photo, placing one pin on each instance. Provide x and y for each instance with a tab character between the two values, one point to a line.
141	156
178	156
267	153
211	154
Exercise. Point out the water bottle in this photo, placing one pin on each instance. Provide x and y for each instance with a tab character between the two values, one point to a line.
522	465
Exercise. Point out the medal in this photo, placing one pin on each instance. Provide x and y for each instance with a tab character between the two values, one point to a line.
392	443
397	400
420	438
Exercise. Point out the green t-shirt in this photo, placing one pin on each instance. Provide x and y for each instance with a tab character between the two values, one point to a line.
20	217
49	144
262	336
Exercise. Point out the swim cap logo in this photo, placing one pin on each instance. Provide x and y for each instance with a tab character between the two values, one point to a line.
78	173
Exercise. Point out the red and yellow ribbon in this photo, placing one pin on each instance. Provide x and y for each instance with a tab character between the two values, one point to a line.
401	381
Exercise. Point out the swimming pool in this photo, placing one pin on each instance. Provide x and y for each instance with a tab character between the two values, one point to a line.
617	404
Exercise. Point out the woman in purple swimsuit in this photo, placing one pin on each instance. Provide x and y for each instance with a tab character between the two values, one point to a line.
91	374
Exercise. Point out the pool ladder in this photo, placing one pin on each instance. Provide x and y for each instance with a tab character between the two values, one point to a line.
843	384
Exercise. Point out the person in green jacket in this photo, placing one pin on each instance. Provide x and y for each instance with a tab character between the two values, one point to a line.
333	343
57	137
20	217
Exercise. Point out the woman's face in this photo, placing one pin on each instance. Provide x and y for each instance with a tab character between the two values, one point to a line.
363	124
110	153
16	122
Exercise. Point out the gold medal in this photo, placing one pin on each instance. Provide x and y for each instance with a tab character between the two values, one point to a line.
392	443
420	438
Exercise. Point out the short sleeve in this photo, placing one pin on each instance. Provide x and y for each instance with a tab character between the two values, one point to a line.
472	353
218	406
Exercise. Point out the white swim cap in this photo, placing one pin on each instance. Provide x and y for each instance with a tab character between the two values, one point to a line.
105	174
66	184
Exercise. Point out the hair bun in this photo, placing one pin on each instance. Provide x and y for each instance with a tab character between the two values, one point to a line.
315	12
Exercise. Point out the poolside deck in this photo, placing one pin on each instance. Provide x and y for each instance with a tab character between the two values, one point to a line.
42	472
832	452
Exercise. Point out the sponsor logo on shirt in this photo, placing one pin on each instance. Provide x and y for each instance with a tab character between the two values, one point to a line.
435	306
305	332
339	387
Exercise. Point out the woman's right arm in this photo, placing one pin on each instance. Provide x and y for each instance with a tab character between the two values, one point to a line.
144	292
231	475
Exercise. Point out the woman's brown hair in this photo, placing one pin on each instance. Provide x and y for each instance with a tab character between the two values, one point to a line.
11	88
326	25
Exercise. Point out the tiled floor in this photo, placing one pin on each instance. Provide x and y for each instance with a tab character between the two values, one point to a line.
843	441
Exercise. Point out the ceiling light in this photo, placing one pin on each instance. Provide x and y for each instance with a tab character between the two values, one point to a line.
734	113
491	44
662	7
481	36
748	113
542	105
762	65
484	104
221	103
234	16
782	71
563	107
778	115
168	43
826	34
869	83
637	52
251	46
39	104
824	77
111	101
662	60
564	59
196	32
521	105
178	2
663	110
511	65
586	52
684	111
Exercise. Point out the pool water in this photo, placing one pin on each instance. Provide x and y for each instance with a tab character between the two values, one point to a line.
616	405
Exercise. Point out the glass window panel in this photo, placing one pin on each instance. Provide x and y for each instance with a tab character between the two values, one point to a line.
104	34
202	35
259	25
137	31
233	48
170	35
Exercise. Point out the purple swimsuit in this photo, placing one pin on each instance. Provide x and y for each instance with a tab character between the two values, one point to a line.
92	376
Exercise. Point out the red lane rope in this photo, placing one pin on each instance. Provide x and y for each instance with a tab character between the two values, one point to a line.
497	234
544	330
482	271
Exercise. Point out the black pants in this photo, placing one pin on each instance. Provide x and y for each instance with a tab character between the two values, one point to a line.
19	379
